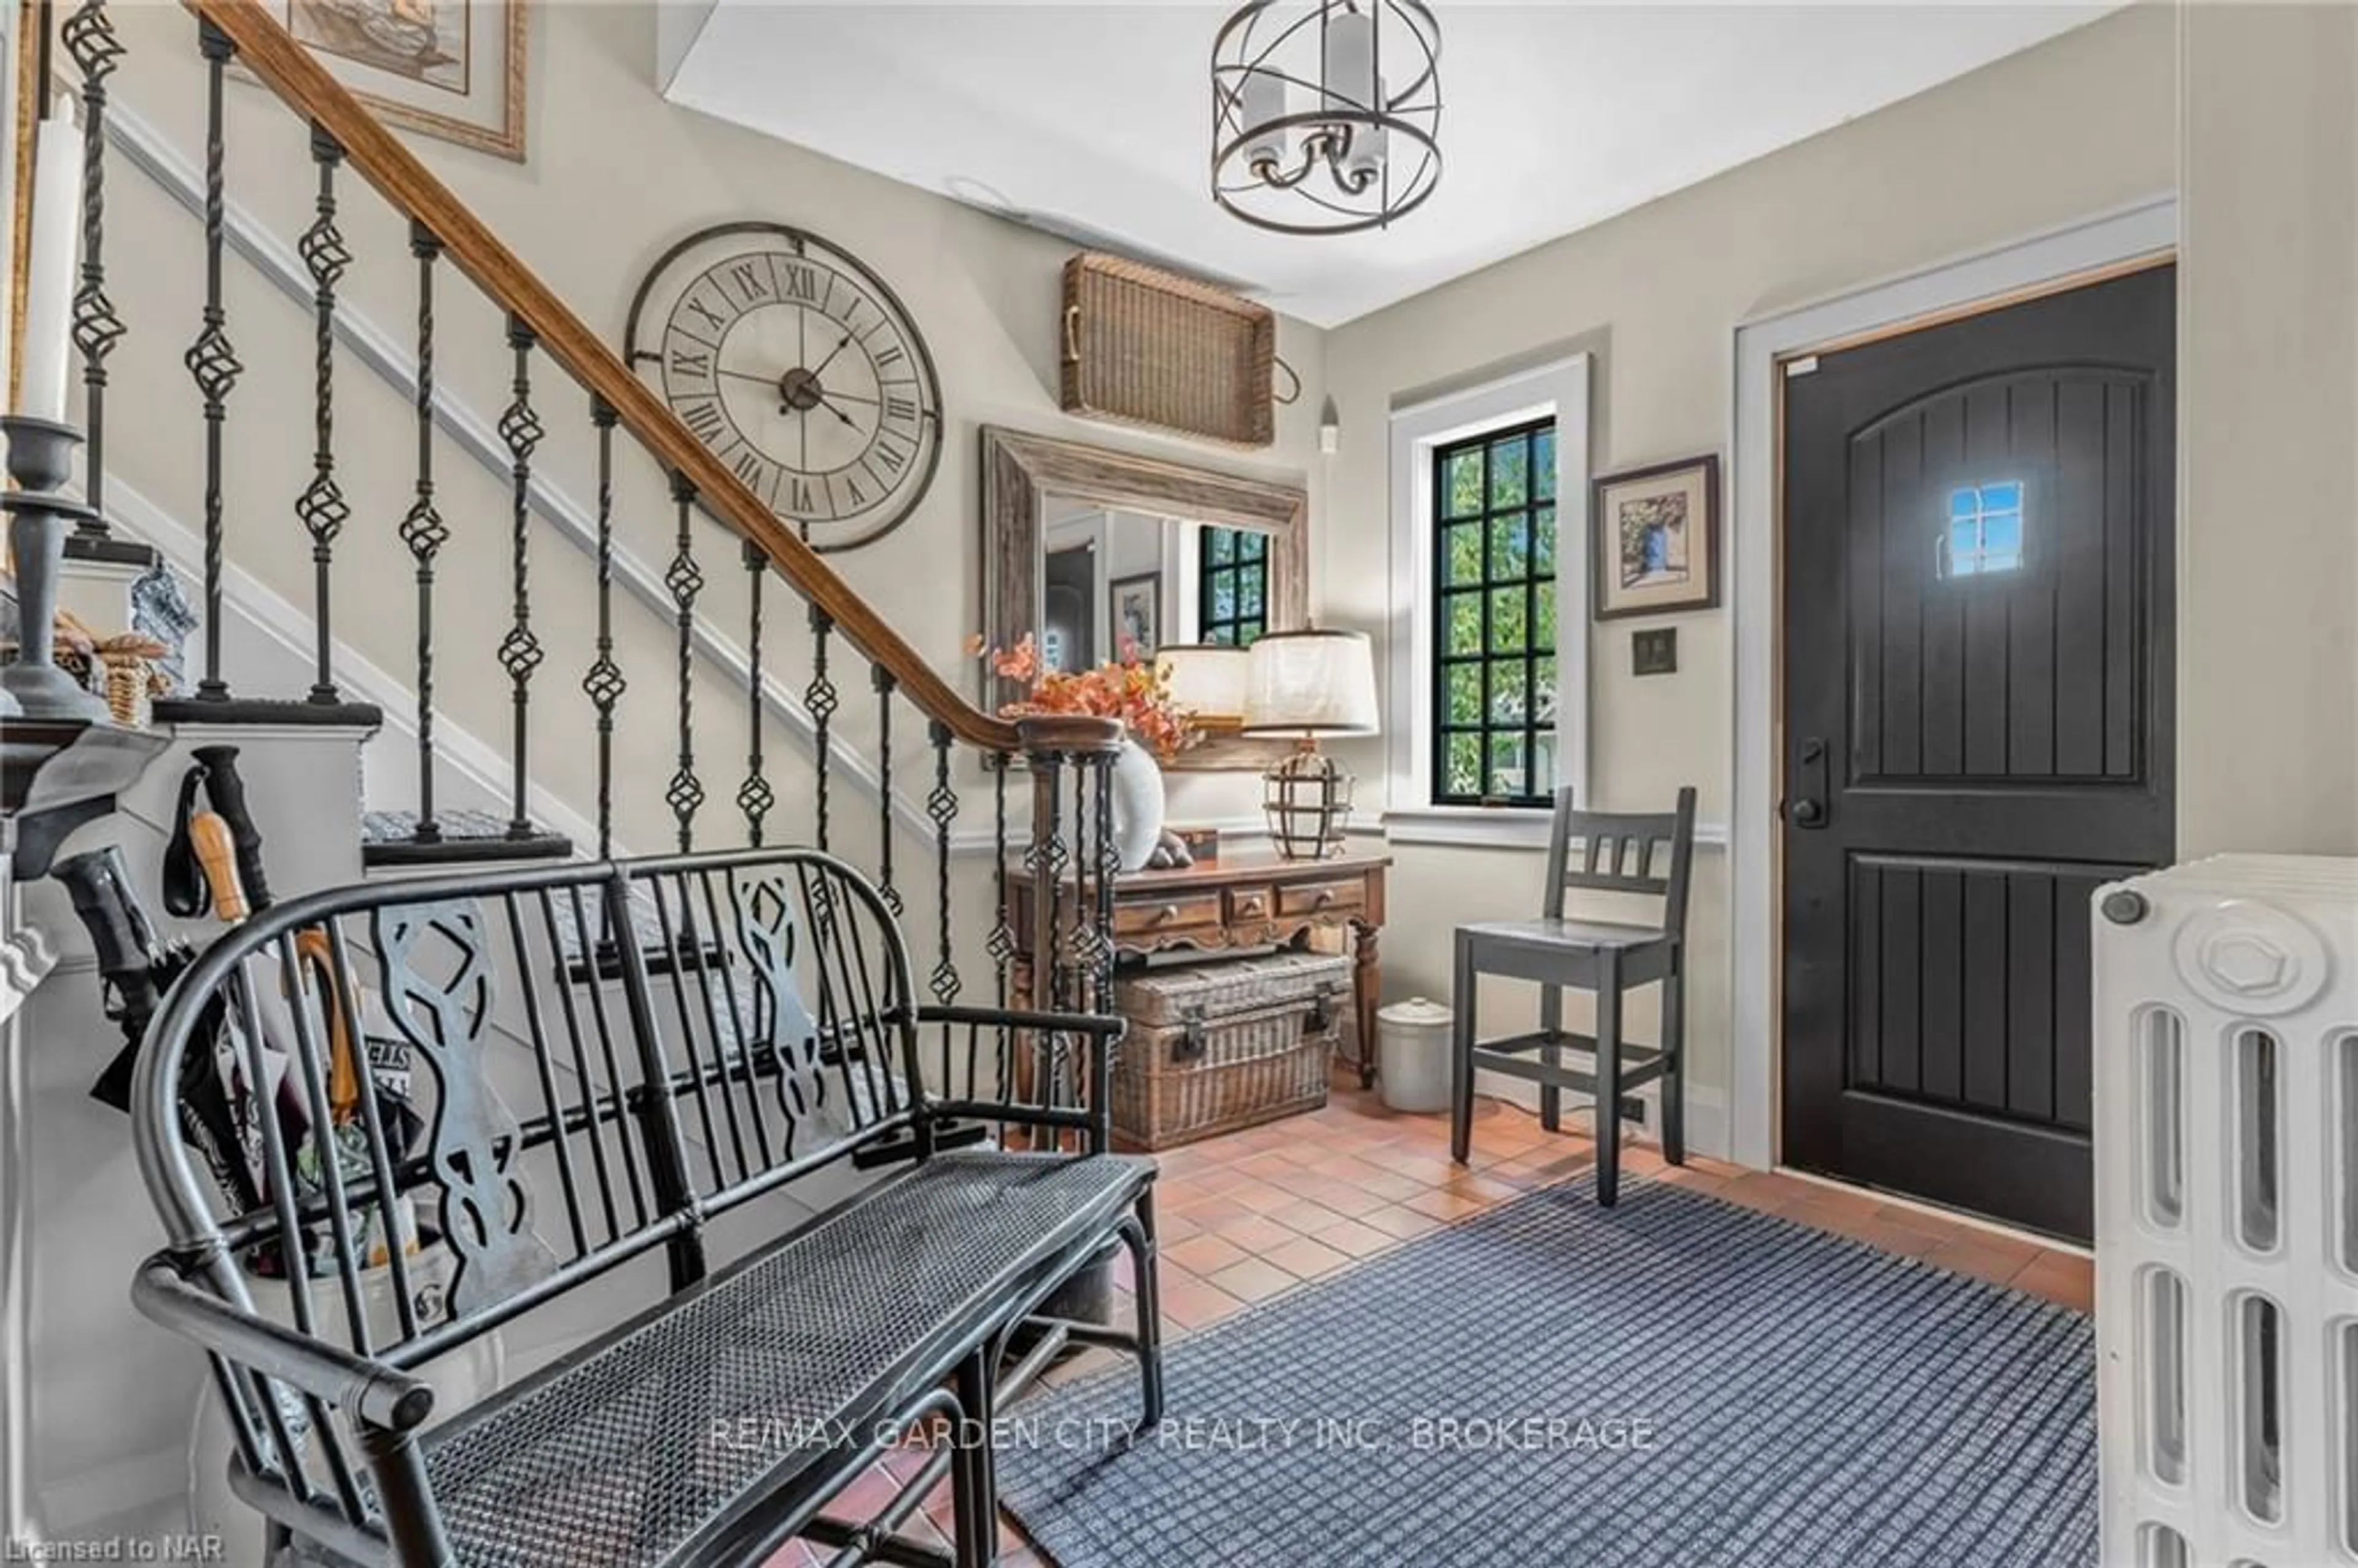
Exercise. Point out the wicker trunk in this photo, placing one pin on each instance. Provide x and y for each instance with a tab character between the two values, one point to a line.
1214	1047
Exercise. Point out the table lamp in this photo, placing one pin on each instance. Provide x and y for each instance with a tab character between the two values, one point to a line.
1207	681
1306	684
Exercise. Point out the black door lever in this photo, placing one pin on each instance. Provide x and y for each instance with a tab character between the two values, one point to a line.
1808	807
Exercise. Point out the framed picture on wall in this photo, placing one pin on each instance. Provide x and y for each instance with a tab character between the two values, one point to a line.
1656	532
1135	613
451	68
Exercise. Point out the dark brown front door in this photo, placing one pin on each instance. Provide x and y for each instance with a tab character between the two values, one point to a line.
1977	701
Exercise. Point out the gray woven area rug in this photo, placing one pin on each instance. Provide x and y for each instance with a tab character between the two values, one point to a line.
1677	1382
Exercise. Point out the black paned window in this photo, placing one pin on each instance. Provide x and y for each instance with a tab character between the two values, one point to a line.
1494	692
1232	586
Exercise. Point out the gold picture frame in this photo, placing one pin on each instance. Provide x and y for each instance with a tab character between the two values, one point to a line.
453	69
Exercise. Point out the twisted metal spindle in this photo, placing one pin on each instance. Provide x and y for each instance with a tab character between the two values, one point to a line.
604	684
422	529
321	508
821	698
212	363
754	797
941	806
685	580
90	39
520	650
882	678
1000	943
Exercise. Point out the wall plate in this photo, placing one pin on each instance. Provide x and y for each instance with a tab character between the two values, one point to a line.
1655	652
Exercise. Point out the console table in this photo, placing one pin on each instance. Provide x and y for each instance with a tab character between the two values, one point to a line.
1244	900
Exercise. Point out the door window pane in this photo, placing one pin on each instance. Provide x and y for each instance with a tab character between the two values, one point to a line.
1985	532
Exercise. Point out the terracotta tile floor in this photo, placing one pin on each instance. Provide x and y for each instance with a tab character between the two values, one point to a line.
1252	1215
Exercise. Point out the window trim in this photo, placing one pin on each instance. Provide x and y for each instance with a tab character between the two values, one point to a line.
1558	390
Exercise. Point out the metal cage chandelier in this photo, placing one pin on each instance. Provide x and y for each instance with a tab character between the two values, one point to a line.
1325	114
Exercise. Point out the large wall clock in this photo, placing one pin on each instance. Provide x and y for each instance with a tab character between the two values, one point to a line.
800	369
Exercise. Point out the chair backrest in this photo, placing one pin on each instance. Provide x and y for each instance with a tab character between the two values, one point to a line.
489	1061
1623	851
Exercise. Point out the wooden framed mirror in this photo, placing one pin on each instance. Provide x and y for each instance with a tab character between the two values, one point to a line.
1086	548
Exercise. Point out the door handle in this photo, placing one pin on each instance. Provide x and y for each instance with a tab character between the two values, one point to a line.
1807	808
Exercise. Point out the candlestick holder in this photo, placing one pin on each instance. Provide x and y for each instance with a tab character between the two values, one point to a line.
40	459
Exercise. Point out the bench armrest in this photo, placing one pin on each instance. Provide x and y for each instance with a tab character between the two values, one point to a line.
379	1394
1104	1026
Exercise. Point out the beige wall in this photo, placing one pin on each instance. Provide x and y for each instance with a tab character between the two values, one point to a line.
615	175
2072	128
2268	431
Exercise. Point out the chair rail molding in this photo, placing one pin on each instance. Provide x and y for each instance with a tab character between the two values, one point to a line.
1758	349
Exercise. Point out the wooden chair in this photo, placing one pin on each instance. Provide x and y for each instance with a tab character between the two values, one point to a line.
1619	853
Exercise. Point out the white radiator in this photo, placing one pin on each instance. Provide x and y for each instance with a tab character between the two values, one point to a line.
2227	1214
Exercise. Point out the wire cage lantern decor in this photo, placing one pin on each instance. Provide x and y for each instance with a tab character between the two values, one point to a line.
1325	114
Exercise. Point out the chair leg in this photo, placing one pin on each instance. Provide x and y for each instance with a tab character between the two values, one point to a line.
974	1486
1139	1237
1551	1058
1608	1079
1460	1053
1674	1080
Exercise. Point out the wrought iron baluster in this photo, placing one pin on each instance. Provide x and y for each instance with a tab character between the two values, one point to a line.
820	699
685	580
604	684
754	797
422	528
1001	943
882	678
321	508
520	650
941	806
90	37
212	363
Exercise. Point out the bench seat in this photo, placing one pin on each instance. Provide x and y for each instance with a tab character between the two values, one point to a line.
728	1408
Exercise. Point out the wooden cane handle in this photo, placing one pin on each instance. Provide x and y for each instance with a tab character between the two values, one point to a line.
313	952
217	854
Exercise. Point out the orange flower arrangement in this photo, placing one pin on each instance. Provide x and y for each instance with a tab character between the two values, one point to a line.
1127	688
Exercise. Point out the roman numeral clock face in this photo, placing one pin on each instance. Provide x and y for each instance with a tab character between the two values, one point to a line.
801	370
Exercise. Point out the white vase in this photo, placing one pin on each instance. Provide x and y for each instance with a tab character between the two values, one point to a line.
1137	805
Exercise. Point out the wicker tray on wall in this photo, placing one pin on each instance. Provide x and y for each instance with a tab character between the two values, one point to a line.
1147	347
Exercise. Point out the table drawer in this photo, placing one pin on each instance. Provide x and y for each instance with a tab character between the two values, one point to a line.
1249	904
1322	898
1180	911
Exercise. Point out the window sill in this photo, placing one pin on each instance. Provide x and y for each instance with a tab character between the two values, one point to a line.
1479	827
1498	827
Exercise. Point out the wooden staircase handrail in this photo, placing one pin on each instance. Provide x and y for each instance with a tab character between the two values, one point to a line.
272	54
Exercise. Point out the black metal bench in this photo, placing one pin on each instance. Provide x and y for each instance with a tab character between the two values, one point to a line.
771	1035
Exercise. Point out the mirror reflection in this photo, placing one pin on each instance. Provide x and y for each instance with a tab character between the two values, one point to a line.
1119	584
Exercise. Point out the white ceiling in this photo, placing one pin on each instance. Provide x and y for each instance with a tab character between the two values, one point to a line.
1555	115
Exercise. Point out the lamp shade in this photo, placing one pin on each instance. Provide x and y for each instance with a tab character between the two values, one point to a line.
1206	679
1312	683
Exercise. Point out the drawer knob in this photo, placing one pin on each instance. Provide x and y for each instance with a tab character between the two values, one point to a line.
1167	915
1326	897
1252	907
